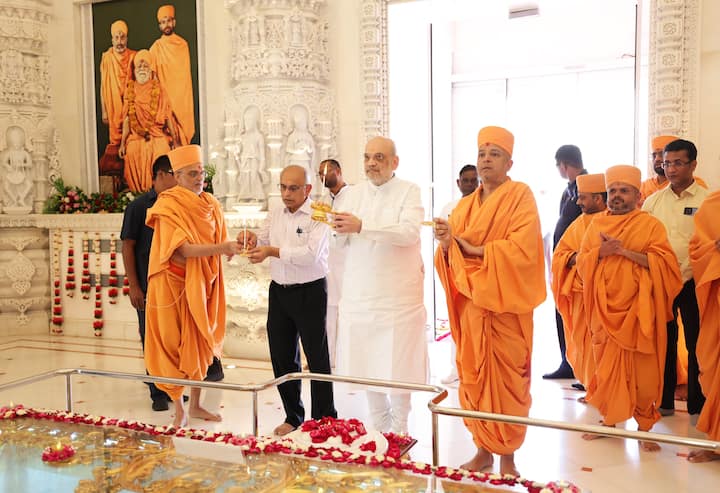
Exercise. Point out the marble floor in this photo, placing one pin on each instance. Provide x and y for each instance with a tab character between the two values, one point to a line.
608	465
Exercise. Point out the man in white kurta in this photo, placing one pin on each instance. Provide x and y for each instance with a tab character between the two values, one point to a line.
382	317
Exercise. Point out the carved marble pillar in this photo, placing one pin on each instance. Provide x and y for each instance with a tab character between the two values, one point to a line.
280	65
673	65
374	68
25	96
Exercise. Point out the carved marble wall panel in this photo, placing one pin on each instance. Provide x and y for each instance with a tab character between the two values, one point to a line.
280	109
27	134
24	277
674	64
30	262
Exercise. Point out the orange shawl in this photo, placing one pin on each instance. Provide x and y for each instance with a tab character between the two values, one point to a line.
490	304
568	293
185	316
705	260
628	308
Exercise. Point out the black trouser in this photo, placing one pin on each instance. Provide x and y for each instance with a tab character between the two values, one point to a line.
155	393
686	304
298	311
561	337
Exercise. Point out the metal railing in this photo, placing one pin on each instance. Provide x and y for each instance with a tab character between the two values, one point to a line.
433	405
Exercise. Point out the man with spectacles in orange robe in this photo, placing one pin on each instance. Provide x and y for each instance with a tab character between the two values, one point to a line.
185	308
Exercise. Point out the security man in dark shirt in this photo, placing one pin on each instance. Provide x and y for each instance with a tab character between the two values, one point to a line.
137	238
568	160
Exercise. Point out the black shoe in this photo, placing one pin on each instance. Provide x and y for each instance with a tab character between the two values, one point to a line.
578	386
565	371
160	405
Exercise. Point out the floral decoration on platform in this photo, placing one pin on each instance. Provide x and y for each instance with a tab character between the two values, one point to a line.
281	445
72	200
58	453
56	326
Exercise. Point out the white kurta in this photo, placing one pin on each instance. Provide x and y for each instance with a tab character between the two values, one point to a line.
381	331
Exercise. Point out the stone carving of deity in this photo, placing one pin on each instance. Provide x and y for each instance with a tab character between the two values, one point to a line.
300	146
251	163
17	167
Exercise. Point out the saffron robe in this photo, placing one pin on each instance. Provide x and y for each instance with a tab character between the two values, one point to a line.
142	151
172	59
115	71
567	290
185	314
705	261
628	307
490	306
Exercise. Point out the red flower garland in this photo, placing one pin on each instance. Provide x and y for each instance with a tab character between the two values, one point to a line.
98	323
56	317
126	286
70	276
113	278
85	286
268	445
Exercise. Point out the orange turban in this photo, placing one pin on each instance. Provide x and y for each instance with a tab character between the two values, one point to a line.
118	25
180	157
591	183
498	136
147	56
661	141
623	173
165	11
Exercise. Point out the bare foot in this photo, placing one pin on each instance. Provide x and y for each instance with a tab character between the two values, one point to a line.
681	392
582	400
702	456
201	413
283	429
482	460
507	465
593	436
649	446
180	419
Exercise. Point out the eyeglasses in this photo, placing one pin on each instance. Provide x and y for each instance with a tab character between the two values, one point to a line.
290	188
674	164
193	173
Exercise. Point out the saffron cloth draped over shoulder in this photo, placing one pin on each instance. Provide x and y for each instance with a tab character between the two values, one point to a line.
705	260
628	307
490	303
185	325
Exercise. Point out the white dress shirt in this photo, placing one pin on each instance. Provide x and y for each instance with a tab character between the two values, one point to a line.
303	245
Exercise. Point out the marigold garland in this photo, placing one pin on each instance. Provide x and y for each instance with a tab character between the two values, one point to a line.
70	275
56	318
98	323
85	280
135	126
113	277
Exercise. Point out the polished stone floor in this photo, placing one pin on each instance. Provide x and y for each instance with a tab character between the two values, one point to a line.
607	465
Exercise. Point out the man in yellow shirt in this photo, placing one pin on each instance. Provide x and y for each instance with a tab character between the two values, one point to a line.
675	207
